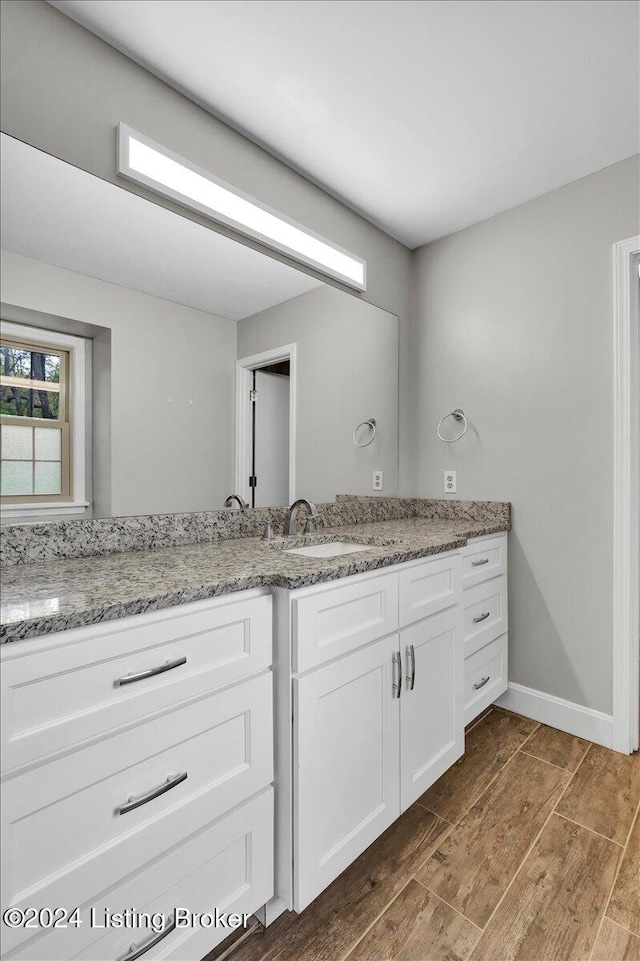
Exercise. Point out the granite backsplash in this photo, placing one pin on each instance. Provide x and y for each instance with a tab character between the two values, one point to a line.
42	542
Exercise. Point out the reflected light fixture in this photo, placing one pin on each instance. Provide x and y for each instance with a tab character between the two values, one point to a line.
145	162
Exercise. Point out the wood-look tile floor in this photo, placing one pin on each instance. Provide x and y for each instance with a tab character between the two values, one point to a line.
528	848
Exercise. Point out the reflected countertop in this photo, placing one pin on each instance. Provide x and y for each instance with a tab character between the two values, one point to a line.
64	594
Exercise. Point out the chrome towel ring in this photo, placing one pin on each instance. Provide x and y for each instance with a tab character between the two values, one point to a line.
371	424
458	415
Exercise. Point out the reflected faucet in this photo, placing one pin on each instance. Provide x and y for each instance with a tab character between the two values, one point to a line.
235	497
290	528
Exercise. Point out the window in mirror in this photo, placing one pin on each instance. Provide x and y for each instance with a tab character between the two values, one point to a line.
30	381
37	421
34	421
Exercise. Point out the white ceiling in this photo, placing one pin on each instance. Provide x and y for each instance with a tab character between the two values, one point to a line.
425	115
56	213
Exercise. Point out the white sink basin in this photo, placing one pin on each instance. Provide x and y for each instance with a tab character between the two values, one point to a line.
333	549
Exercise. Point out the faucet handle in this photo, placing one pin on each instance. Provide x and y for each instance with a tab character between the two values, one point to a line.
268	532
310	526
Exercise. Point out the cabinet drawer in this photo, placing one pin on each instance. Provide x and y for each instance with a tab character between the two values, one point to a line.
485	677
63	836
227	865
66	691
484	613
429	587
484	559
333	621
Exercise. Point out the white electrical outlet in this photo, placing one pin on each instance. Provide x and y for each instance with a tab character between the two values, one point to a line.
377	480
450	482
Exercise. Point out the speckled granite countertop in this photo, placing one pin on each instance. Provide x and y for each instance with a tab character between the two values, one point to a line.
55	596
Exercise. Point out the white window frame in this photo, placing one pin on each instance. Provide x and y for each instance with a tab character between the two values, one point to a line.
79	350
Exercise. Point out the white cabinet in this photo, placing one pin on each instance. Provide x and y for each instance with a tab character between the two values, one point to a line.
137	773
66	819
431	725
229	864
346	763
485	622
374	727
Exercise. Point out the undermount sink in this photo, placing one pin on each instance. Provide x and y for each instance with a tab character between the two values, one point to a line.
332	549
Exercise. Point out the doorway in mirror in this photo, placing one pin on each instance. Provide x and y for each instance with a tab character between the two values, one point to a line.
270	441
266	419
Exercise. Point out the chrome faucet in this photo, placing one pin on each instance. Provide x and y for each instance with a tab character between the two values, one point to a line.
290	528
235	497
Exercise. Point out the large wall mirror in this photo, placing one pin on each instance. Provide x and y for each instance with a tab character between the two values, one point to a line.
208	368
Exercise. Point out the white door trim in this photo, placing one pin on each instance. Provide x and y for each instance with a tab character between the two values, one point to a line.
626	508
244	367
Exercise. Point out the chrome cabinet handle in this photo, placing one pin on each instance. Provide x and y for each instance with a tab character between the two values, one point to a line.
137	950
485	560
396	662
136	802
141	675
411	667
481	617
485	680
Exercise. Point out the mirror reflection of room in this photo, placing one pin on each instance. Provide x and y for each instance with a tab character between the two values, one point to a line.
188	366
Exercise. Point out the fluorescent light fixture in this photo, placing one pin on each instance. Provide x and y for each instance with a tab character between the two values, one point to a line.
145	162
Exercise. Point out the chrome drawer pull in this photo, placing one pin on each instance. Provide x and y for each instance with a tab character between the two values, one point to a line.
485	680
137	950
136	802
411	667
485	560
481	617
396	664
141	675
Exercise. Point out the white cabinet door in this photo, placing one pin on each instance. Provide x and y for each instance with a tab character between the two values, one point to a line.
346	763
431	704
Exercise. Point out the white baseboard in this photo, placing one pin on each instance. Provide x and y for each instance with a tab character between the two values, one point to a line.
556	712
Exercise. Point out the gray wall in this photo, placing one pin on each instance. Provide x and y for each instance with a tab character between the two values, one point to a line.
347	371
513	323
165	457
64	91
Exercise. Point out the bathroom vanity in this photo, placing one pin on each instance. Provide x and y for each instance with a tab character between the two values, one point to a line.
194	717
379	675
139	767
137	771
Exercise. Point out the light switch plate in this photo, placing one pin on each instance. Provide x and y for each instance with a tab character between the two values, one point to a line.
378	480
450	482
